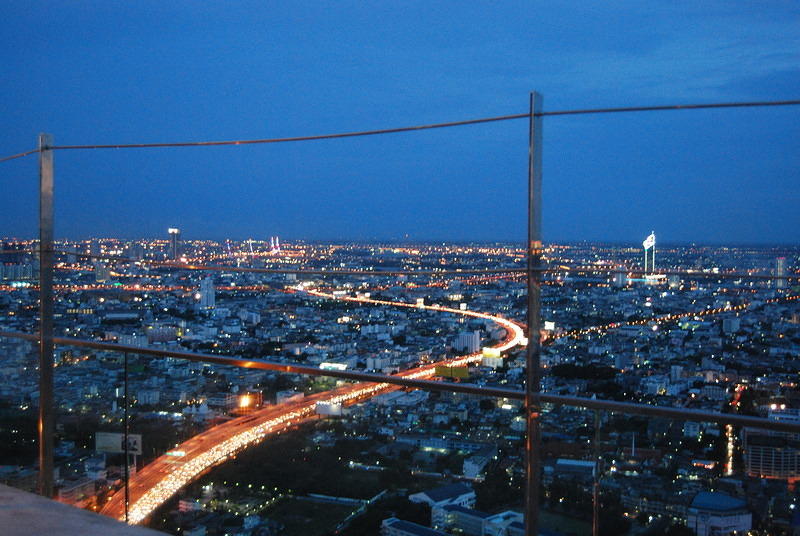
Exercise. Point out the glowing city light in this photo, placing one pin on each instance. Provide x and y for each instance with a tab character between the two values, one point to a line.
274	420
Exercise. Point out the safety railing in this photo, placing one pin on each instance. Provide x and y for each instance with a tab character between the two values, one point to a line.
531	397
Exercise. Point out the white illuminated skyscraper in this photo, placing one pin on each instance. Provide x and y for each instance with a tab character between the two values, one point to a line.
650	244
174	242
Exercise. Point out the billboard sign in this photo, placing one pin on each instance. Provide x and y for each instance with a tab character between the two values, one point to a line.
114	442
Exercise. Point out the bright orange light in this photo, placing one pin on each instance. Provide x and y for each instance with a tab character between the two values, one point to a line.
244	401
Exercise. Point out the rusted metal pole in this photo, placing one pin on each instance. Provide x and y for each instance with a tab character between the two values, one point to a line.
532	385
46	406
125	434
596	484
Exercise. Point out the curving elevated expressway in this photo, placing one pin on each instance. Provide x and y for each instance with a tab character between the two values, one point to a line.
159	480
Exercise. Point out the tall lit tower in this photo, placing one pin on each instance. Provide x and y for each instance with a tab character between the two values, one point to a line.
780	271
650	244
174	242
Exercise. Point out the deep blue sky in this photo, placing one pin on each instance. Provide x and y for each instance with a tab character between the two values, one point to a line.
146	71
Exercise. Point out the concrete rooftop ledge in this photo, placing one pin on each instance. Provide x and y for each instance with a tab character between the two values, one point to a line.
26	514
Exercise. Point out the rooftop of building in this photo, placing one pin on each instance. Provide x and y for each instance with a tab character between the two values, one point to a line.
717	502
23	514
469	511
412	528
449	491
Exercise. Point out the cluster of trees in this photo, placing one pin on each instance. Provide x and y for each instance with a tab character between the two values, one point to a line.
18	437
498	490
397	506
573	499
591	371
287	462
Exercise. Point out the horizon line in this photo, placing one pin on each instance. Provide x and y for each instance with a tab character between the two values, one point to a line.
425	241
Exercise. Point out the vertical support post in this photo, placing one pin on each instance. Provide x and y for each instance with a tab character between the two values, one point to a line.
125	431
46	420
597	468
532	385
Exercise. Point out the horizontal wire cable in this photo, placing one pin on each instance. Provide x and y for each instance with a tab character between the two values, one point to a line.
296	138
449	124
586	111
669	107
18	155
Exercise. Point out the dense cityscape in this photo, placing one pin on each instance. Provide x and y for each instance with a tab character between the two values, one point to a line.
217	449
400	268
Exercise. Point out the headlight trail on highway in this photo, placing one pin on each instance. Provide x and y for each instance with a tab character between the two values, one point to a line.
164	477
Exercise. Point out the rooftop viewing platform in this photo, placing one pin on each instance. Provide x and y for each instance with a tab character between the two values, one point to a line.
24	514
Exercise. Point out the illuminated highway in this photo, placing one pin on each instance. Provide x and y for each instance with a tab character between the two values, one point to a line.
165	476
672	317
161	479
514	332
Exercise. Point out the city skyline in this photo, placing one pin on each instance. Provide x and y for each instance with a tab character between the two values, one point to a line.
516	268
719	329
400	241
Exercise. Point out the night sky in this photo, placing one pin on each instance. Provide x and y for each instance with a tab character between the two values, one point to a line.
152	71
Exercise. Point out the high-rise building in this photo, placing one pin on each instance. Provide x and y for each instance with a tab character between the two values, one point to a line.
780	272
174	243
468	341
16	272
93	248
773	454
102	272
134	251
620	277
208	297
72	256
731	325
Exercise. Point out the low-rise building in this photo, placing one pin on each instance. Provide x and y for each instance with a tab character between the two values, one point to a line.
716	513
397	527
437	498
